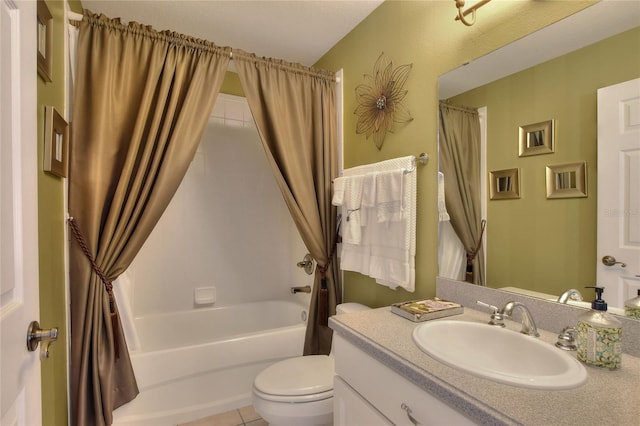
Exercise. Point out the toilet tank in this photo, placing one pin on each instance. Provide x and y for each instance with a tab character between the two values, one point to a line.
347	308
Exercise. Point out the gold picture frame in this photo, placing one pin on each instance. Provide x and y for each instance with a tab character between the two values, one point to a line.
504	184
45	35
56	142
567	180
537	138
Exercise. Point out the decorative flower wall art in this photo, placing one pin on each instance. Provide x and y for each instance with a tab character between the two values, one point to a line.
380	98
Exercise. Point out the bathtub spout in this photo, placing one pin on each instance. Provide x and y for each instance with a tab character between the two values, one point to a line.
305	289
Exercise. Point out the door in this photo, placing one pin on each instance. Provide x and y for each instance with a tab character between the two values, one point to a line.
19	369
619	191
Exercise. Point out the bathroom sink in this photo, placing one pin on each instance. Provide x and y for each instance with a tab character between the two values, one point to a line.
499	354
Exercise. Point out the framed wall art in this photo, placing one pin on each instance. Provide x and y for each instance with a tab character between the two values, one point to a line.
567	180
56	142
45	35
504	184
537	138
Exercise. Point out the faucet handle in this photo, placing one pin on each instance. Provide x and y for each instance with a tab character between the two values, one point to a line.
497	318
567	339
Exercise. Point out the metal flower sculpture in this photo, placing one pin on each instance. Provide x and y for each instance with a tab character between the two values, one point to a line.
380	100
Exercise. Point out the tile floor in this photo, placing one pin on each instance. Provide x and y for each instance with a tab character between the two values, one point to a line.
245	416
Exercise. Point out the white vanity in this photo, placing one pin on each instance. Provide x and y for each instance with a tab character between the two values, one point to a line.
382	378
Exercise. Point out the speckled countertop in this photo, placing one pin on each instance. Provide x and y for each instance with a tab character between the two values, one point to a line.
608	397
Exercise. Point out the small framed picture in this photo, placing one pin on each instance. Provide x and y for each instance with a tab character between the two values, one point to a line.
504	184
567	180
45	34
537	138
56	142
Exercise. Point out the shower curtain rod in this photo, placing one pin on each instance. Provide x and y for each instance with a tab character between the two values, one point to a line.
75	18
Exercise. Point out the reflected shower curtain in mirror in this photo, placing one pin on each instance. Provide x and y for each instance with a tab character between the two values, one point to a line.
459	141
142	101
294	110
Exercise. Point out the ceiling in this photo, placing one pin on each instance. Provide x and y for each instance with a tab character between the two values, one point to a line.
295	30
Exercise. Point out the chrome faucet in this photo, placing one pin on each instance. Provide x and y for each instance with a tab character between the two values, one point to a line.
567	339
528	325
496	316
304	289
571	294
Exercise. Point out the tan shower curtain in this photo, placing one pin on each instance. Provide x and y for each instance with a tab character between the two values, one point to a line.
142	101
294	110
460	162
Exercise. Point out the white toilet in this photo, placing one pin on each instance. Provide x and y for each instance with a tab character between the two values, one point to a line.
299	391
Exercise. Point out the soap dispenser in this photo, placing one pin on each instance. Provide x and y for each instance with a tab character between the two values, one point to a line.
632	307
599	335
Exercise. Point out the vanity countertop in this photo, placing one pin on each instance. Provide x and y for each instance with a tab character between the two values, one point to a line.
608	397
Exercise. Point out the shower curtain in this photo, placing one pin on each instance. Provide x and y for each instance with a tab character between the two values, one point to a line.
294	109
459	142
142	101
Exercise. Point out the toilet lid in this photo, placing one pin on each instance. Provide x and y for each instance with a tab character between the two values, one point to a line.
298	376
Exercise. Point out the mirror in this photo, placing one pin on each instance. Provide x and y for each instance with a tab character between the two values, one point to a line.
540	99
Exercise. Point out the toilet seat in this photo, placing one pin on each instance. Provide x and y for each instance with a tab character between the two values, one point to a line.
300	379
293	399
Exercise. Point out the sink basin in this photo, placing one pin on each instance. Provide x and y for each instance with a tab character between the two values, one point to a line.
500	355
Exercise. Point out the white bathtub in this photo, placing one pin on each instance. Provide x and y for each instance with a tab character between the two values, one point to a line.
198	363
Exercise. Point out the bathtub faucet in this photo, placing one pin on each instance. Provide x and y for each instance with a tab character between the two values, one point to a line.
305	289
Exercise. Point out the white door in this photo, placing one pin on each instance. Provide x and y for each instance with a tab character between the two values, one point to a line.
619	191
19	369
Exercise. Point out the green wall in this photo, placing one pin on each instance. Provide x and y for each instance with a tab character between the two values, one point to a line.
535	243
231	84
51	227
419	32
422	33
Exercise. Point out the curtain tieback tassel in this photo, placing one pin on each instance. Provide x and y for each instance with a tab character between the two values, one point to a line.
108	285
471	255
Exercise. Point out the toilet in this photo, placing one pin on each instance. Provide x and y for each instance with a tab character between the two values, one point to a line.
299	391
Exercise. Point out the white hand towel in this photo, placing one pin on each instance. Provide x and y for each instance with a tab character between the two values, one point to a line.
387	249
338	191
390	195
351	232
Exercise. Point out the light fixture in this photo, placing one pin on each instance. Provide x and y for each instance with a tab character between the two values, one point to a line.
472	10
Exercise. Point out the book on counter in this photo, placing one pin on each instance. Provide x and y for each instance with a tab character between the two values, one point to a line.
428	309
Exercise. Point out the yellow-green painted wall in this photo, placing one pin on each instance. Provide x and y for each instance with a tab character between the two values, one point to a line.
535	243
231	84
51	227
419	32
422	33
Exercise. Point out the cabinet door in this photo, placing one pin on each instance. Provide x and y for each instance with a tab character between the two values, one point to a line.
351	409
398	399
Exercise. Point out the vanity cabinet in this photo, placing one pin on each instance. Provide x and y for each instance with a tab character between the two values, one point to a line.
366	392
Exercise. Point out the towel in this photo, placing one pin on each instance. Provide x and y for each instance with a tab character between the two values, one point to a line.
351	232
387	216
338	191
347	193
389	198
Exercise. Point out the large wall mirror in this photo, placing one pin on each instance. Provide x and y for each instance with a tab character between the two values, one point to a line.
547	82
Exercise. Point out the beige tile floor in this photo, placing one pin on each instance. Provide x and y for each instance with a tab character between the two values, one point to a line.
245	416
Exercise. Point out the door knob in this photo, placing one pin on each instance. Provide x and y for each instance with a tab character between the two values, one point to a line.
36	335
610	261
